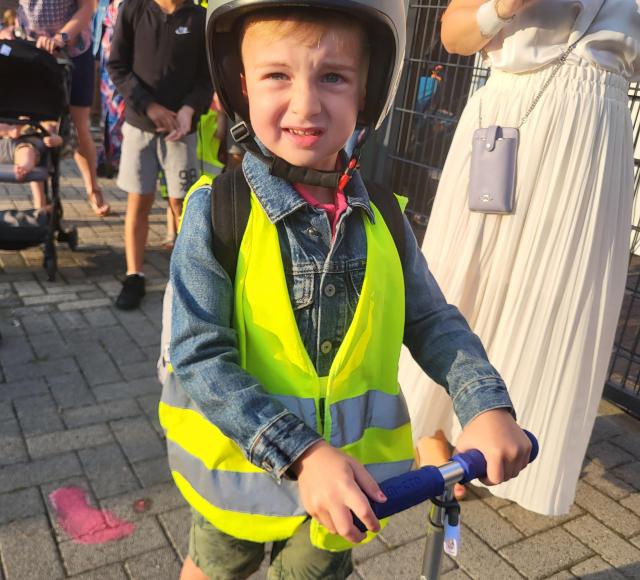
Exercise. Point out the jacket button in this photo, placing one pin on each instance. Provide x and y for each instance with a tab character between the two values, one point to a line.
329	290
267	466
325	347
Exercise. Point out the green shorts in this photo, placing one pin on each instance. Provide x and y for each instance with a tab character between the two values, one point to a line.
223	557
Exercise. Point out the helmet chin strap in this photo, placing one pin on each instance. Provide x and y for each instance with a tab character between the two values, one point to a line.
278	167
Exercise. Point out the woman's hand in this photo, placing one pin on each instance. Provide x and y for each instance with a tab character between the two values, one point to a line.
460	32
508	8
332	484
50	43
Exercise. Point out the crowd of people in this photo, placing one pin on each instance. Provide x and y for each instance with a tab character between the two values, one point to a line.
281	397
153	96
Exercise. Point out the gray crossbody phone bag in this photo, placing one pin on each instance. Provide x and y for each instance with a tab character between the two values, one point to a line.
494	152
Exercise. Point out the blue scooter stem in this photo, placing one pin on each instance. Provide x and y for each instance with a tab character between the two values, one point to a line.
411	488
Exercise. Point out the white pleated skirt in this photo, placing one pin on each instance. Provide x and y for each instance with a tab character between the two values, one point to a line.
542	287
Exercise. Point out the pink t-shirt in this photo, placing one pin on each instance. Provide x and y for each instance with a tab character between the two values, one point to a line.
334	210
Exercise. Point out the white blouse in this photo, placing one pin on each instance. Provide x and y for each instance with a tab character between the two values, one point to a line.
541	31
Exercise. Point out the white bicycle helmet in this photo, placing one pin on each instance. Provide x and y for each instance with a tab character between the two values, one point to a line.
385	24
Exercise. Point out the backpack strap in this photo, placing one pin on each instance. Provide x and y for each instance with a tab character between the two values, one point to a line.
388	206
230	208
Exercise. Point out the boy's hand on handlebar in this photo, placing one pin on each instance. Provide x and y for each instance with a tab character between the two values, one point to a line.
332	484
504	445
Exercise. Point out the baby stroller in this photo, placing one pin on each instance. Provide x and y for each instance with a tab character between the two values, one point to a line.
38	91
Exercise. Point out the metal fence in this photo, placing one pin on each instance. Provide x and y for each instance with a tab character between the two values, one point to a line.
409	152
623	383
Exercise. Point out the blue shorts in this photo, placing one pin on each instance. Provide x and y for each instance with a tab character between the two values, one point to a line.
82	80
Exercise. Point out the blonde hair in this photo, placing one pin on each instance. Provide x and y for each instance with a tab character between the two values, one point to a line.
9	17
308	26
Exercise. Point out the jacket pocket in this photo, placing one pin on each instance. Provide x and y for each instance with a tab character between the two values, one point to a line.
302	295
302	304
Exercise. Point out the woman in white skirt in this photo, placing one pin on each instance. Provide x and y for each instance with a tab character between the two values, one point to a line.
542	286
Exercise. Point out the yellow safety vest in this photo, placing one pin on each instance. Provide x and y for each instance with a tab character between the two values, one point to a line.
208	145
365	414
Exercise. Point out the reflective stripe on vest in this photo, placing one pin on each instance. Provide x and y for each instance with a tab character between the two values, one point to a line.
350	417
365	414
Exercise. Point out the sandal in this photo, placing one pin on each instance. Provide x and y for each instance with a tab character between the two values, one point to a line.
97	203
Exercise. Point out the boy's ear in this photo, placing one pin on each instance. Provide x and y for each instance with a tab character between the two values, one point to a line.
243	85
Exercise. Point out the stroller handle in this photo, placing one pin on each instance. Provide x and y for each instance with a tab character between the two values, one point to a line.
411	488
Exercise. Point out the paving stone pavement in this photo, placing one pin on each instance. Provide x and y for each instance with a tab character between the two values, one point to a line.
78	398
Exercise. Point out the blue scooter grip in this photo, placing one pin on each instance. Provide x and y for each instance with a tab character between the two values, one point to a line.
405	491
475	465
414	487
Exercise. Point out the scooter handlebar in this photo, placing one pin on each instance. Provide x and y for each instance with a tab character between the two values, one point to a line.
412	488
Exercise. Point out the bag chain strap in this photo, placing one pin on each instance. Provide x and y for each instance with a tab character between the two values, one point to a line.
558	65
554	71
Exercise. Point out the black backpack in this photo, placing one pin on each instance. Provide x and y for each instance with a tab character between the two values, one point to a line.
231	205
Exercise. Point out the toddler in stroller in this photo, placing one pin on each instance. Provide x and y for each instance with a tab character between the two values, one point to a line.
20	145
32	106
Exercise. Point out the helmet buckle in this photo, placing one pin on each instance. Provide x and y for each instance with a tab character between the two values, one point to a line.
240	132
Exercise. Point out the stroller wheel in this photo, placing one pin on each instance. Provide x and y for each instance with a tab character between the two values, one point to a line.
70	236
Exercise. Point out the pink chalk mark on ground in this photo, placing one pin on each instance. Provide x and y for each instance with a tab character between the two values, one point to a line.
83	523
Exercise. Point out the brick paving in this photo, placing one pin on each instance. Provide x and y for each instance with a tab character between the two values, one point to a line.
78	398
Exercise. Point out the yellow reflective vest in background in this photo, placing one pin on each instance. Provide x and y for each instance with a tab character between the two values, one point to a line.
209	145
357	408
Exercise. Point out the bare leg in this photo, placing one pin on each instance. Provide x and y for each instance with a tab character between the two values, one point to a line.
436	451
85	158
191	572
136	229
433	450
176	209
24	161
37	194
171	229
174	212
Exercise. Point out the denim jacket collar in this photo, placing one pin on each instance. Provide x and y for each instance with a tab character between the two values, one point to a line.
279	199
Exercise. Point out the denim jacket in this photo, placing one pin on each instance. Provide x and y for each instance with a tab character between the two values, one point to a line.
324	278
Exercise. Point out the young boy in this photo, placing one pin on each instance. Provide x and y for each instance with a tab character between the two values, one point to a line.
284	402
158	63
